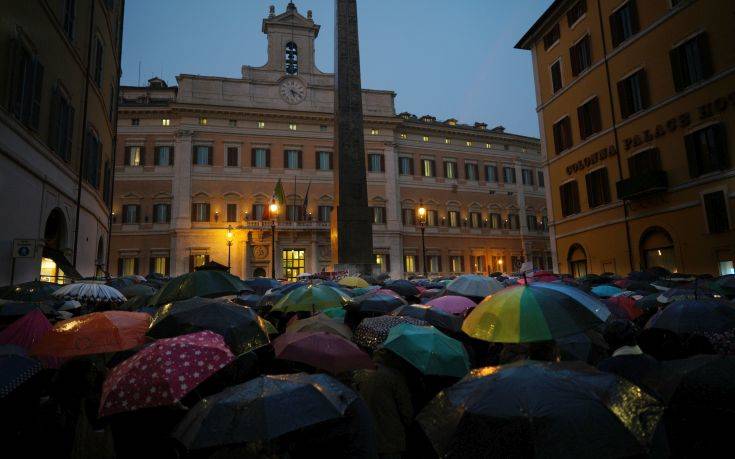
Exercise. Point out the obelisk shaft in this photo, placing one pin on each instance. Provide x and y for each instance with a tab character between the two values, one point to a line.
351	232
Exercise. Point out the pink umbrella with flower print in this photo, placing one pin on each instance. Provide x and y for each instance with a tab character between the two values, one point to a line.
164	372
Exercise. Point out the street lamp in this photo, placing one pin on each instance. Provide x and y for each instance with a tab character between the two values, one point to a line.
274	214
422	227
229	237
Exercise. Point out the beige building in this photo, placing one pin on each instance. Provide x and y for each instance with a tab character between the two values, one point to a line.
201	157
636	104
58	93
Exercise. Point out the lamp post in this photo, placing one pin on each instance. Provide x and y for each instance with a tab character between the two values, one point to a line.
229	236
422	227
274	214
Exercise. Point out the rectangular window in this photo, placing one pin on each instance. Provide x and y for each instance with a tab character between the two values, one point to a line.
324	160
556	83
453	218
409	218
69	17
580	56
93	159
598	188
475	219
165	122
292	159
161	213
495	221
131	214
404	136
512	222
258	212
134	156
159	265
231	212
509	174
62	125
456	263
428	168
425	138
378	215
293	262
562	135
293	212
260	158
633	94
432	218
405	165
589	118
128	266
382	260
196	261
576	11
324	213
644	162
233	123
200	212
569	198
162	156
374	131
531	223
624	23
541	179
707	150
292	127
691	62
491	173
376	162
450	169
409	263
434	262
135	121
527	177
551	37
26	85
202	155
203	121
98	56
261	124
232	156
470	170
715	206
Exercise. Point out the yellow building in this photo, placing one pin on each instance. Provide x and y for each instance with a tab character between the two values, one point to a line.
636	106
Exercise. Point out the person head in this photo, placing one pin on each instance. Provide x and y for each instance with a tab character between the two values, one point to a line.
619	333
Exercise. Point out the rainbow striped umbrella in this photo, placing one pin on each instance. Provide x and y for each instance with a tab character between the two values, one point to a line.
523	314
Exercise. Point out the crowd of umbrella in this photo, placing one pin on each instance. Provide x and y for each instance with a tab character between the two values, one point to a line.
198	343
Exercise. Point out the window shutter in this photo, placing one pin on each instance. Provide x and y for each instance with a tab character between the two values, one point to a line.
316	160
410	165
37	92
643	82
171	156
191	263
55	116
151	265
206	258
252	157
591	201
168	266
595	115
677	70
168	213
268	158
207	216
720	138
127	155
301	160
623	97
137	213
382	163
194	154
156	153
142	156
209	155
119	266
136	265
704	53
331	160
193	212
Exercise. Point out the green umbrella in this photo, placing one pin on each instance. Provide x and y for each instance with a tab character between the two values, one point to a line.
311	298
205	283
429	350
334	313
29	291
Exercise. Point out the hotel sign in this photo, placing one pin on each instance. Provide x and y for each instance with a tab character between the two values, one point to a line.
592	159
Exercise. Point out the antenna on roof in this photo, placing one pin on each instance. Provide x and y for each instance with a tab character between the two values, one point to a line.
138	73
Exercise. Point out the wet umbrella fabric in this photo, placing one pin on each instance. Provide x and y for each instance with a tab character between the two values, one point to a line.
452	304
429	350
260	285
90	293
623	307
335	313
15	369
321	350
686	293
96	333
26	332
208	284
565	409
311	298
588	346
262	409
372	332
695	316
402	287
353	282
474	286
435	317
136	290
605	291
29	291
163	372
242	329
377	303
320	323
18	309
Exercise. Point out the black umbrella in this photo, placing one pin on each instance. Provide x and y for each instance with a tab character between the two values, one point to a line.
260	285
250	300
402	287
641	286
241	327
528	409
21	308
695	316
263	409
29	291
15	369
435	317
588	346
648	303
212	266
378	304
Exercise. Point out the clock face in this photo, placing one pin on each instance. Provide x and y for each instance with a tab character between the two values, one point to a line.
292	91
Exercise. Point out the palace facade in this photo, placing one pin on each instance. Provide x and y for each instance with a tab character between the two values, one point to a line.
197	166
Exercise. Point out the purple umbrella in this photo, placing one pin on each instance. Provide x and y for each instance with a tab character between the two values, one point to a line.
452	304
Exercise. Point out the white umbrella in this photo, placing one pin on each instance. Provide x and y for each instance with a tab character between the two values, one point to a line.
474	285
90	293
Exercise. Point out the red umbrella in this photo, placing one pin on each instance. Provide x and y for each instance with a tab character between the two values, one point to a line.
27	331
623	306
321	350
622	283
452	304
164	372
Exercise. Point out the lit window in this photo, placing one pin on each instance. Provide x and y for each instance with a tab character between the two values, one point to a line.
468	143
374	131
165	122
426	138
447	141
404	136
159	265
292	127
50	272
409	264
382	262
202	121
261	124
487	145
128	266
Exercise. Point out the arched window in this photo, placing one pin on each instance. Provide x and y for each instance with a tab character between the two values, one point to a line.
292	59
657	249
577	260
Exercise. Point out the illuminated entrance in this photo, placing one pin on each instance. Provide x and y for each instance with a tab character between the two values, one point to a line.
293	263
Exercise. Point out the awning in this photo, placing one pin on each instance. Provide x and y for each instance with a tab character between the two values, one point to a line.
61	262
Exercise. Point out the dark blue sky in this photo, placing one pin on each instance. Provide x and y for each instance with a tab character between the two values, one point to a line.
445	58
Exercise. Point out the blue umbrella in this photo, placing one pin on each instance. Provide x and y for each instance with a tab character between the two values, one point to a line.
260	285
592	303
15	369
605	290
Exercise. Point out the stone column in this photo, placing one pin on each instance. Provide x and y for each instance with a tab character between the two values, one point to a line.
521	199
181	204
314	254
392	190
246	247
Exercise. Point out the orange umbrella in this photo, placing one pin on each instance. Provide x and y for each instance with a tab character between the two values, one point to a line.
96	333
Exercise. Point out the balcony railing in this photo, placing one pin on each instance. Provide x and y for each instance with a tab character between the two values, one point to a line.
643	184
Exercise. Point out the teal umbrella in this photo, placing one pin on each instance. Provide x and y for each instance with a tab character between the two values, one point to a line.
429	350
335	313
204	283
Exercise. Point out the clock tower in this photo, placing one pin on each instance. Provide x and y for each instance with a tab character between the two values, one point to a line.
291	42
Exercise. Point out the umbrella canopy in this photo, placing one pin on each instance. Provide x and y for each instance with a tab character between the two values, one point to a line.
136	290
163	372
26	331
90	293
623	306
452	304
29	291
377	303
429	350
262	409
686	293
325	351
208	284
474	286
605	290
724	285
402	287
96	333
260	285
353	282
242	329
311	298
589	346
528	409
212	266
695	316
21	308
360	291
521	314
120	282
335	313
648	303
320	323
250	300
15	369
372	332
435	317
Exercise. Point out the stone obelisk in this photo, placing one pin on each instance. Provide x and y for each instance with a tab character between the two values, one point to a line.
351	231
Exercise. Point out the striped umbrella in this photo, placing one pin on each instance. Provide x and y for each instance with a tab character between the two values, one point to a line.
88	292
522	314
